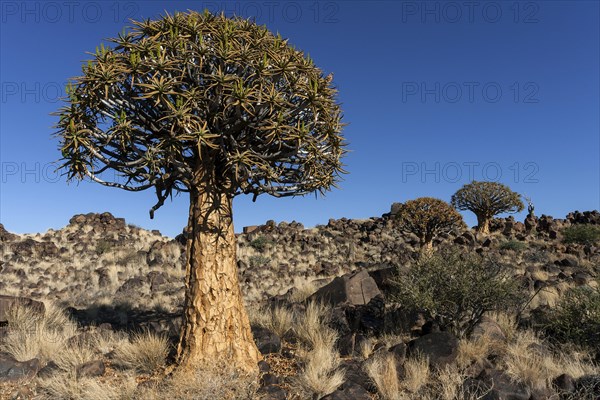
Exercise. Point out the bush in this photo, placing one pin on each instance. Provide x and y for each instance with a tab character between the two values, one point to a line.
102	247
258	261
576	318
456	289
260	243
581	234
514	245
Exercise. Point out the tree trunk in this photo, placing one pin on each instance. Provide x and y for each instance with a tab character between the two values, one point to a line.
215	323
483	224
426	245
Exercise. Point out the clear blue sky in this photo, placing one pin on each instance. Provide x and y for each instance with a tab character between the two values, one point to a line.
435	94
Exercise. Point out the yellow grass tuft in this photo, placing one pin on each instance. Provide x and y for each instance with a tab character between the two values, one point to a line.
384	374
145	352
321	374
34	335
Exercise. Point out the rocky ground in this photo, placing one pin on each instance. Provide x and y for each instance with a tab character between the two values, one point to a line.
112	279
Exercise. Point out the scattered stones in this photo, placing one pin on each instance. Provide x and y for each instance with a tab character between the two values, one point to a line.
267	342
441	348
11	369
91	369
49	369
501	386
272	392
349	391
369	318
355	374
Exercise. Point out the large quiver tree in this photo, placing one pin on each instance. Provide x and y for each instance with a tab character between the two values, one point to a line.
486	199
213	107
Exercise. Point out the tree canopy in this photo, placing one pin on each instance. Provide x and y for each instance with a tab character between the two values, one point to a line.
427	217
486	199
196	89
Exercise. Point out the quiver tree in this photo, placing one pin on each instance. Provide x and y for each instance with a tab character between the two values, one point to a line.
486	199
213	107
427	217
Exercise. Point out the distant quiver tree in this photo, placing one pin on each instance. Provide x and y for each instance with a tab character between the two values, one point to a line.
215	107
427	217
486	199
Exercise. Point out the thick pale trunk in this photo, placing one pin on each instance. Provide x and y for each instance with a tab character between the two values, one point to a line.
427	247
215	324
426	244
483	224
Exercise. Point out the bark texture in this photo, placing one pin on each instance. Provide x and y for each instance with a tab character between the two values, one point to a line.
483	224
215	324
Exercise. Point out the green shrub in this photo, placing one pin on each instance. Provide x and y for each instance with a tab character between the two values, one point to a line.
581	234
456	289
260	243
258	261
103	246
514	245
576	317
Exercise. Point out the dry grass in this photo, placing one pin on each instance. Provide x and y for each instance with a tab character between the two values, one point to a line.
282	320
447	384
74	354
476	350
106	341
320	375
383	372
145	352
303	290
416	374
33	335
506	322
537	368
207	383
311	328
277	319
366	347
65	386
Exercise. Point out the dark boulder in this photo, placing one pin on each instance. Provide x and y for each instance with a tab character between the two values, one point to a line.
267	342
356	374
369	318
355	288
441	348
349	391
11	369
272	392
91	369
564	383
502	386
49	369
349	344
